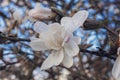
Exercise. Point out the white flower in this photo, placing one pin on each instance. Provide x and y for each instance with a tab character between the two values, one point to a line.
39	13
17	15
59	39
116	66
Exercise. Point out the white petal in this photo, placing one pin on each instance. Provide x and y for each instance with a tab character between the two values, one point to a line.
67	61
54	27
71	48
31	19
58	32
54	36
41	13
68	24
77	39
32	12
79	18
116	69
40	27
68	36
49	39
54	59
38	45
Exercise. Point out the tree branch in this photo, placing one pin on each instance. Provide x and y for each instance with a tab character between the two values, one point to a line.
14	39
99	53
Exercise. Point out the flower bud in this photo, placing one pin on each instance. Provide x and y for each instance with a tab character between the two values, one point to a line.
92	25
39	13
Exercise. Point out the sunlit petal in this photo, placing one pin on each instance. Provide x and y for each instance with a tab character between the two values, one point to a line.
54	59
68	24
77	39
40	27
58	32
79	18
38	45
116	69
49	39
67	61
54	27
71	48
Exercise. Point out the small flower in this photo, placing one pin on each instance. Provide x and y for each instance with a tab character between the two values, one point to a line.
59	39
17	15
39	13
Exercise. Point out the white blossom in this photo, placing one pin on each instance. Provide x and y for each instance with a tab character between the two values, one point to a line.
59	39
40	13
116	66
17	15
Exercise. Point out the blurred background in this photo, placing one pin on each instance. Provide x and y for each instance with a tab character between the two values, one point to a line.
97	50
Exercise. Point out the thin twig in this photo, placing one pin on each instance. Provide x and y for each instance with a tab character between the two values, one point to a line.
108	29
14	39
98	53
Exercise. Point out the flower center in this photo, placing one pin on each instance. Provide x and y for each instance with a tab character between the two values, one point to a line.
67	38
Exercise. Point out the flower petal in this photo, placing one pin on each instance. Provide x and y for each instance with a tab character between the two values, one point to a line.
77	39
38	45
67	61
68	24
79	18
54	59
49	39
58	32
40	27
54	36
54	27
116	69
71	48
40	13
